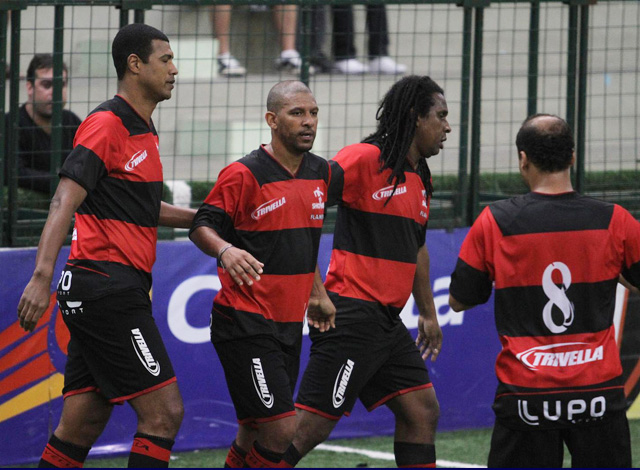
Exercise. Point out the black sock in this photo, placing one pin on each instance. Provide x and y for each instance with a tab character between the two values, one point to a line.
150	451
261	457
291	457
62	454
414	455
235	457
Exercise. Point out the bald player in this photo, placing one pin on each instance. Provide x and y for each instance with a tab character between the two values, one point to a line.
262	222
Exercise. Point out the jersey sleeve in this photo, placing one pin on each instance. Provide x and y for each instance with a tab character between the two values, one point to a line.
472	279
349	168
97	148
630	232
223	204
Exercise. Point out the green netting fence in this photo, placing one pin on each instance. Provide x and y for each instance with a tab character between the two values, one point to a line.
498	62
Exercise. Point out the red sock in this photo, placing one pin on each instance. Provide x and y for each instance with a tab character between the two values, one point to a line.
235	457
62	454
259	457
150	451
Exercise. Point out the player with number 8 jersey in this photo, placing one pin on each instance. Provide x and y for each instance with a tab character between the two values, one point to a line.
555	257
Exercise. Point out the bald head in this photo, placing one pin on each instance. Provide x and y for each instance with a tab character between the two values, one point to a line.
282	92
548	142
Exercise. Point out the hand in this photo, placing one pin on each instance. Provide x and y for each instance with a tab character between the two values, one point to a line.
34	302
241	266
429	338
321	313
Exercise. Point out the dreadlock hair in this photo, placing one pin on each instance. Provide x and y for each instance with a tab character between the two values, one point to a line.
409	98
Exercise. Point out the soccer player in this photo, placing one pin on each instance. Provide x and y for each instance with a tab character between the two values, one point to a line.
383	189
262	221
555	257
112	180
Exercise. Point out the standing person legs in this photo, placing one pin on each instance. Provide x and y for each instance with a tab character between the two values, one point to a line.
344	49
379	60
228	66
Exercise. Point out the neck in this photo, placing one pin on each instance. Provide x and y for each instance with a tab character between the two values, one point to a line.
138	100
291	161
551	183
41	121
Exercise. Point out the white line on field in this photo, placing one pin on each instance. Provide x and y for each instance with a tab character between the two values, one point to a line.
374	454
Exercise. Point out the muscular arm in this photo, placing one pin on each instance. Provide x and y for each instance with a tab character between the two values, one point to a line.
35	298
240	264
429	338
174	216
321	312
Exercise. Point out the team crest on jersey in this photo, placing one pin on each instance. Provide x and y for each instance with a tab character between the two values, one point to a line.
268	207
387	192
136	160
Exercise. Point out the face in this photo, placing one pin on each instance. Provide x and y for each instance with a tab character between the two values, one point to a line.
295	124
40	92
158	75
432	130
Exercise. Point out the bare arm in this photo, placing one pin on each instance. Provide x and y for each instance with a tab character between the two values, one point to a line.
174	216
628	285
240	264
429	338
35	298
321	312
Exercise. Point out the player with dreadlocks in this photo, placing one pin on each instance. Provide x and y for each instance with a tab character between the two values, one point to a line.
382	187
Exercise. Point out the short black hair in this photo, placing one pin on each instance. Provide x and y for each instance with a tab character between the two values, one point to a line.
136	38
548	142
40	62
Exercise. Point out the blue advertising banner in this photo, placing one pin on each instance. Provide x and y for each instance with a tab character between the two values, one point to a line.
185	282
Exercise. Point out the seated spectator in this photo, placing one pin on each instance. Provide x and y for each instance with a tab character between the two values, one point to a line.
285	19
34	127
344	51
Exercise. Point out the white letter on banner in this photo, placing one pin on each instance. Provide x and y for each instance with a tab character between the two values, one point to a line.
177	310
410	319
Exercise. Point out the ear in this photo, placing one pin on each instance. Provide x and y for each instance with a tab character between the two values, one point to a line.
573	158
134	64
272	120
523	160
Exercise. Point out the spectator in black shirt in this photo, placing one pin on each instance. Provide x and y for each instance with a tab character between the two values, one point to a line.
34	127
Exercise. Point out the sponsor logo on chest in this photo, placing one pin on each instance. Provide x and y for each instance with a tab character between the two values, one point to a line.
387	191
553	356
268	207
136	160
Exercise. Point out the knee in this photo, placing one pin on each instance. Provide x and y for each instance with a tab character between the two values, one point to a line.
163	422
312	431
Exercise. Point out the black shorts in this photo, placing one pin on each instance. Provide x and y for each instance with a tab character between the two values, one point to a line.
115	347
360	360
261	375
604	445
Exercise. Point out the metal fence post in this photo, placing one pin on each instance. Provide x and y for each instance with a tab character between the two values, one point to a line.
532	77
58	78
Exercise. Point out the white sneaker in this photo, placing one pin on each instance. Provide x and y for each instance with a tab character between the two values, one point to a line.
228	66
386	65
290	61
350	67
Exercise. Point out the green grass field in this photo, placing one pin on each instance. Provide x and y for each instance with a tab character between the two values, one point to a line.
454	449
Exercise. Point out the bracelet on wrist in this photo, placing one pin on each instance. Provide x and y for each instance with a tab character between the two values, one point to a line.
220	253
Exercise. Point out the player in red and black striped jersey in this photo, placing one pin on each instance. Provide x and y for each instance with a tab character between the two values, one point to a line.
263	221
112	180
555	258
382	187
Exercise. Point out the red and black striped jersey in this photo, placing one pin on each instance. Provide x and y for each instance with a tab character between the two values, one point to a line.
555	261
377	235
116	160
261	207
